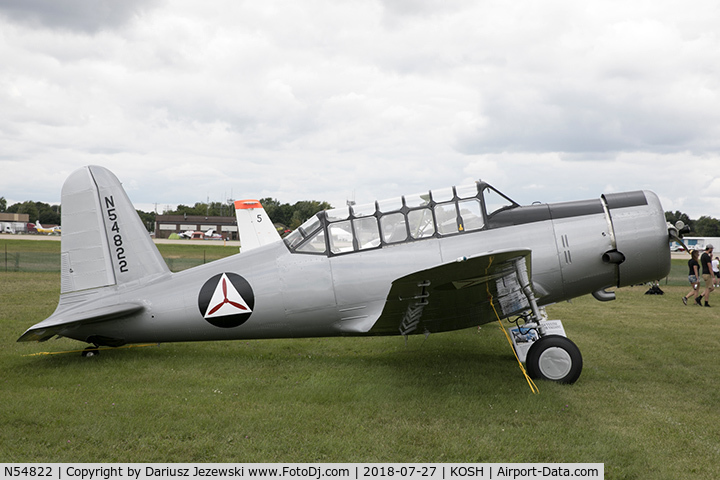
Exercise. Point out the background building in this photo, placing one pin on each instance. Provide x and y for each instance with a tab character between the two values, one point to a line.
14	222
166	225
698	243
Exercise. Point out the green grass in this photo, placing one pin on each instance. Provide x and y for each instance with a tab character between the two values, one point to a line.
44	255
182	256
645	406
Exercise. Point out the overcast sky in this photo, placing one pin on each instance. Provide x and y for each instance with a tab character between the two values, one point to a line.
340	99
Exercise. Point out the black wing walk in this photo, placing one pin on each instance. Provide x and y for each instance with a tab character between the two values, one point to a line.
457	295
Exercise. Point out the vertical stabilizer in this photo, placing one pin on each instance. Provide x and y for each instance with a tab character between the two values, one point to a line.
254	226
104	241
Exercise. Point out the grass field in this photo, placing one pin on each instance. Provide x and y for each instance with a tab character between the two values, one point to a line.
645	406
44	256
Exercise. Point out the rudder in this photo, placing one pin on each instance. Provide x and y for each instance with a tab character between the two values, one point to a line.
104	242
254	226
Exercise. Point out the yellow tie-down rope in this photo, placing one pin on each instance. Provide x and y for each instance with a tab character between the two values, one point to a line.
533	387
98	349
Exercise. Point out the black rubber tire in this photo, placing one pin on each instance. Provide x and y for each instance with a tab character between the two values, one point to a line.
554	358
90	352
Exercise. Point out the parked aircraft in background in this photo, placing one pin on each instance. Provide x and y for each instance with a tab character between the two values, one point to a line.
254	226
193	235
49	231
211	235
437	261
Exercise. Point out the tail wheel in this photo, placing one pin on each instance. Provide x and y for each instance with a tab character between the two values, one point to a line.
90	352
555	358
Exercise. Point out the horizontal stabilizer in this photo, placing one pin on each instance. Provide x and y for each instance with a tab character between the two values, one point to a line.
58	322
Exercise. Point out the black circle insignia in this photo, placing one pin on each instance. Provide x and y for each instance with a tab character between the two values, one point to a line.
226	300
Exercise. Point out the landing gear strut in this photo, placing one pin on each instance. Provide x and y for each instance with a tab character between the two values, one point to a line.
550	357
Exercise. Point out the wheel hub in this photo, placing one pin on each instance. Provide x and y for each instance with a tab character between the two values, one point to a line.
555	363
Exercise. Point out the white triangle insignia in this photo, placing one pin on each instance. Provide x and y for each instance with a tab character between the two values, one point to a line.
226	300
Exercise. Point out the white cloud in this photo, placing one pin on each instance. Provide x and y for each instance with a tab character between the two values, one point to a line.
87	16
548	101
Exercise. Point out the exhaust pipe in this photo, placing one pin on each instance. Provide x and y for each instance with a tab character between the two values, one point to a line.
603	295
613	256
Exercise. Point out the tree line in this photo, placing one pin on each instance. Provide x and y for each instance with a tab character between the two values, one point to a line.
702	227
37	211
290	216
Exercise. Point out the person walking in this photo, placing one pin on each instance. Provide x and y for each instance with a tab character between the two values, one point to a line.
707	274
693	276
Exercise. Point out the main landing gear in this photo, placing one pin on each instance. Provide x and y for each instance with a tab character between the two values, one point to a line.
551	356
554	357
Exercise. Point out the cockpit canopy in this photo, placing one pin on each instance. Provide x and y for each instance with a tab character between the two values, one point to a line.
437	213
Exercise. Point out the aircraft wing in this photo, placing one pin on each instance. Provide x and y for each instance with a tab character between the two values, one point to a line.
60	321
456	295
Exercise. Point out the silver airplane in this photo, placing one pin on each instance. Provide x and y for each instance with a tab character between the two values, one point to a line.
433	262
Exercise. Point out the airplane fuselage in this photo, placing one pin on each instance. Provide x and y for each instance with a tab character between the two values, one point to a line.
431	262
287	293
